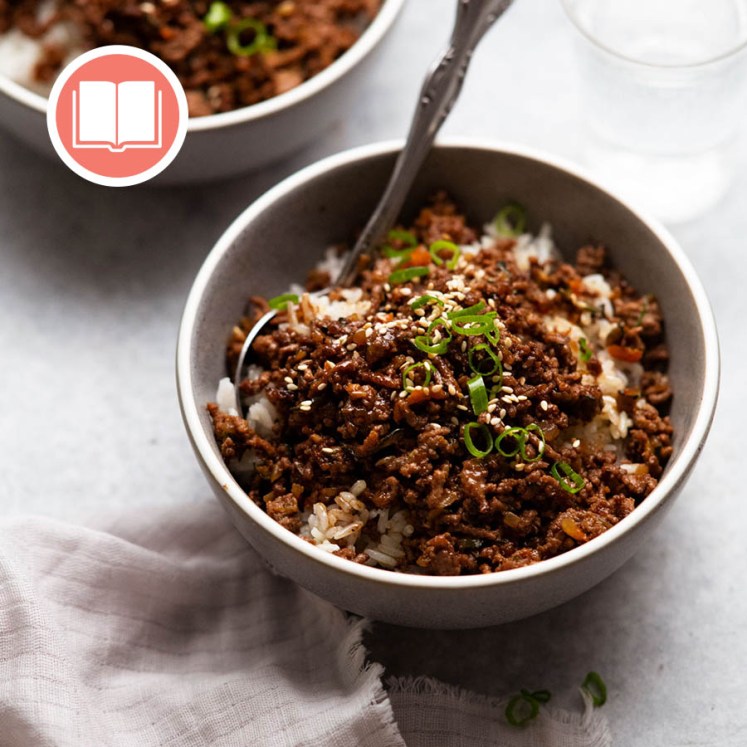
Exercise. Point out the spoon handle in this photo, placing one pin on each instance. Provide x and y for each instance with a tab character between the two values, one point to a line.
437	97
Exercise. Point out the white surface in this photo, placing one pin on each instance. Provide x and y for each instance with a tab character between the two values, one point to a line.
92	282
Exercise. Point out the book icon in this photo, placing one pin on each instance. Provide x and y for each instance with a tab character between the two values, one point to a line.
117	116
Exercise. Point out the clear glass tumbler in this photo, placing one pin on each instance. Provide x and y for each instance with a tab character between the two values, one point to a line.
662	84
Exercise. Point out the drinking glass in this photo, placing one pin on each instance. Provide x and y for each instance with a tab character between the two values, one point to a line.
662	84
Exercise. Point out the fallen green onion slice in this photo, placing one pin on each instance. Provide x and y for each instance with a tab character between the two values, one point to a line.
469	440
402	276
541	696
511	220
492	359
522	708
478	394
594	685
570	481
474	324
443	246
426	298
585	350
427	344
405	237
218	16
470	310
263	41
540	450
518	434
426	366
280	302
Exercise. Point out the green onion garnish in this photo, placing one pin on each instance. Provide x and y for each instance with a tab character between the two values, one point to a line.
522	708
517	434
426	342
402	276
263	41
482	433
570	481
280	302
540	449
486	366
405	237
594	685
542	696
426	366
426	298
218	16
474	324
445	246
478	395
470	310
585	350
511	220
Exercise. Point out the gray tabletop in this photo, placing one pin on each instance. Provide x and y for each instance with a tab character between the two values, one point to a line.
92	284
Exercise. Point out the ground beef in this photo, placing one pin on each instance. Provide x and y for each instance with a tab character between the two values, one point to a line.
343	415
308	36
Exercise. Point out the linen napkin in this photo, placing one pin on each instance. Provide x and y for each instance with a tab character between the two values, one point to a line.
165	628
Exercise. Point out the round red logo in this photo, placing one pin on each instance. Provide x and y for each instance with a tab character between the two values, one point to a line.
117	116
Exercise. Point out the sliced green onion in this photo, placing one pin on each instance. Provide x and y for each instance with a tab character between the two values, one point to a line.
492	359
263	41
218	16
522	708
402	276
426	298
426	366
470	310
511	220
541	696
518	434
585	350
594	685
427	344
478	394
445	246
405	237
391	253
570	481
540	449
280	302
474	324
469	439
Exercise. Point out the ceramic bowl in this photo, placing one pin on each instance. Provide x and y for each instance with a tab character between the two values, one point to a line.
223	145
282	235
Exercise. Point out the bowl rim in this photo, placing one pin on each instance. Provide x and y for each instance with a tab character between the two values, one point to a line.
666	489
366	43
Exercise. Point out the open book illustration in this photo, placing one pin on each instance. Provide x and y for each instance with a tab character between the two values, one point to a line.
117	116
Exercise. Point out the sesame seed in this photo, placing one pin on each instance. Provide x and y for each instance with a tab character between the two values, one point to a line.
491	408
576	443
328	450
387	287
462	407
352	346
543	405
436	388
521	398
301	366
321	386
452	390
306	403
402	395
369	332
292	387
288	380
406	291
454	421
502	414
519	466
507	389
495	421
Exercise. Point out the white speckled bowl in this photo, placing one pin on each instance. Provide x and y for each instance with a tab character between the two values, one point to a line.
278	238
223	145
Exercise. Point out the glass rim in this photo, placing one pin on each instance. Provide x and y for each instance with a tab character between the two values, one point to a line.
573	18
